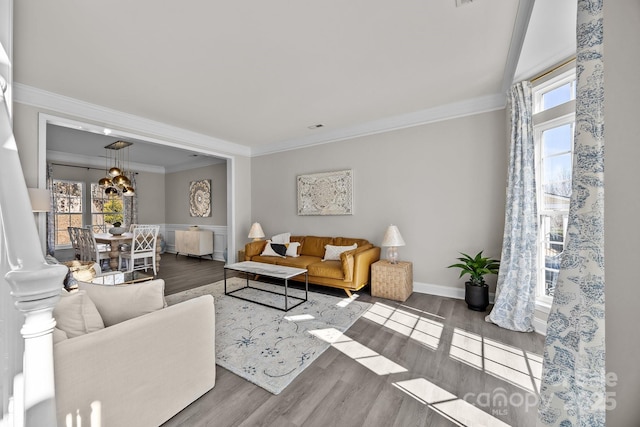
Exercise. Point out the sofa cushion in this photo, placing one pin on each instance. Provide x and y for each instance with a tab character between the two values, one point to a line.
330	269
348	241
332	253
76	314
123	302
252	249
303	261
266	259
314	245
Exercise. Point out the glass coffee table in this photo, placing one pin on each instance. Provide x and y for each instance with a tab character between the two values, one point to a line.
121	277
268	270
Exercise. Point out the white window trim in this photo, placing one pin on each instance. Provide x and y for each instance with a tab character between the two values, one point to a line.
542	121
541	298
547	86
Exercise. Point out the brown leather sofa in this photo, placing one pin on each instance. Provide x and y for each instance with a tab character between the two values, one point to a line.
350	273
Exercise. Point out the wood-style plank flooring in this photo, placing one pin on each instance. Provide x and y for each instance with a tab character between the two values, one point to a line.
426	362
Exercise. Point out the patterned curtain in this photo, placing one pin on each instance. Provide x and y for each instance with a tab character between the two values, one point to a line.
516	290
573	391
51	215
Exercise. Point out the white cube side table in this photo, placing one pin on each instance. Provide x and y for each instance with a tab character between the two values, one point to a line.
392	281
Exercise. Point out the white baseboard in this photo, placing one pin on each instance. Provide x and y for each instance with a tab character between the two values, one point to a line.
443	291
540	325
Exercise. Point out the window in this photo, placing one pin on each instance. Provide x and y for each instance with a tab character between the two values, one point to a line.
105	209
70	209
554	123
68	197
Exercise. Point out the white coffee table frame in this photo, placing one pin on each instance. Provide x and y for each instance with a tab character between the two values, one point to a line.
269	270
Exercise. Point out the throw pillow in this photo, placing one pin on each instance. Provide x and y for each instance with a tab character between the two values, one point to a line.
292	249
59	335
76	314
282	238
274	249
123	302
332	253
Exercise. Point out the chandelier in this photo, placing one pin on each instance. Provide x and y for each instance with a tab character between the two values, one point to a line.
116	181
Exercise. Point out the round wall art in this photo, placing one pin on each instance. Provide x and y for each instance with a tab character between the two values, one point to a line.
200	198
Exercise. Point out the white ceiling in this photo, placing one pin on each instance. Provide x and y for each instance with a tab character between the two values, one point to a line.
260	73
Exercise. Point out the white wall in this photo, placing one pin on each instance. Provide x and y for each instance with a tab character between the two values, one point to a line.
442	184
622	207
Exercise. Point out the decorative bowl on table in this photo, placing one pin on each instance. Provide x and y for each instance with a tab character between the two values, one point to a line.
117	231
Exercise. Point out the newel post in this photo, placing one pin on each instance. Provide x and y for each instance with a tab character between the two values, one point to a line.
35	285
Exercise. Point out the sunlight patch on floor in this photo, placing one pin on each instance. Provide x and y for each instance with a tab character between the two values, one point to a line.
299	317
358	352
447	404
418	328
346	301
509	363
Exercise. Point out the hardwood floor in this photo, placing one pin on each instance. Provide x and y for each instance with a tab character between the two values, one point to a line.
426	362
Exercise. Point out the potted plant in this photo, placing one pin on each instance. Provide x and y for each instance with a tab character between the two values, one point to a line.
476	289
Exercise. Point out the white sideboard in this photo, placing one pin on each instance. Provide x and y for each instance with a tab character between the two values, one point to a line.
194	242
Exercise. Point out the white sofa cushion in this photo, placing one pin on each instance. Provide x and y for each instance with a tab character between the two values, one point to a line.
123	302
76	314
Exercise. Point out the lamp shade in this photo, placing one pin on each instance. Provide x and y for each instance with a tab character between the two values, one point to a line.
256	231
392	237
40	199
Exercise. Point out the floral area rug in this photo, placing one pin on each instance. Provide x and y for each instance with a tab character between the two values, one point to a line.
269	347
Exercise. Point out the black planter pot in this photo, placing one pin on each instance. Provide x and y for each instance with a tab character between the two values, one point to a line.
476	297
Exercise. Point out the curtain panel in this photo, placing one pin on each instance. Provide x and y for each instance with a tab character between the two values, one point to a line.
573	390
131	204
516	289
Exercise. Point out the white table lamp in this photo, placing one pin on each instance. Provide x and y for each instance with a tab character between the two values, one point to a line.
392	239
256	232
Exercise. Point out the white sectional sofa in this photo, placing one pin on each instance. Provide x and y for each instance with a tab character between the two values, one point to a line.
143	365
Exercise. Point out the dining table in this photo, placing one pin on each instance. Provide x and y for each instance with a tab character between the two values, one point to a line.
114	240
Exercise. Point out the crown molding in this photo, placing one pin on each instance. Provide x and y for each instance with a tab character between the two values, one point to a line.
39	98
97	162
444	112
194	164
29	95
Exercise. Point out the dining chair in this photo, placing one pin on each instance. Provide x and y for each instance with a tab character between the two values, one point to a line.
143	247
74	237
90	250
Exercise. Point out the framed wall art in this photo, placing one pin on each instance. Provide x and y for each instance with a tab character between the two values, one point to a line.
327	193
200	198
